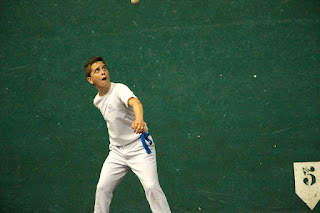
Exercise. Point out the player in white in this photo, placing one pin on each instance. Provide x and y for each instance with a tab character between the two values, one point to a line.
131	146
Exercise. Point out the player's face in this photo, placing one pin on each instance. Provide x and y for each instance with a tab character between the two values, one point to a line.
99	75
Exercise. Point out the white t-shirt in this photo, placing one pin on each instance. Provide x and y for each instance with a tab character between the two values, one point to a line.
118	114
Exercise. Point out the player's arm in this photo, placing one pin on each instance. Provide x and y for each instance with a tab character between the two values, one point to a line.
138	126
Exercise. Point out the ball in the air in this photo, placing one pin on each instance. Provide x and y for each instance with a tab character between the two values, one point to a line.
135	1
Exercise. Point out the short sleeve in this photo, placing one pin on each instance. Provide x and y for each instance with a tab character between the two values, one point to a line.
125	94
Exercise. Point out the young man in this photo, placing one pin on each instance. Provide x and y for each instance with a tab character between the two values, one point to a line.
131	146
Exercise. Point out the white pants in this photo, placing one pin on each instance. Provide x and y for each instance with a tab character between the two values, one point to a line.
118	164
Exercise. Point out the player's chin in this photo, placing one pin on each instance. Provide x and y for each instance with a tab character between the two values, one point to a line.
104	83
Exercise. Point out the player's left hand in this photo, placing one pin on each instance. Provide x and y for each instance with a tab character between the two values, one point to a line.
139	126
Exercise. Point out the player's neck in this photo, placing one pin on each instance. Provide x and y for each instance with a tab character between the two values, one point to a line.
104	91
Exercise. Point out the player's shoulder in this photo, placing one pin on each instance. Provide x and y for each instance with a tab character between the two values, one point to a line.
120	87
96	99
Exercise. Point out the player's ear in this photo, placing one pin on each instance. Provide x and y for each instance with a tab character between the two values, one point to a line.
90	80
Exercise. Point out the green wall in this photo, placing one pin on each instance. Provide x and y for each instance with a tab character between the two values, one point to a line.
230	90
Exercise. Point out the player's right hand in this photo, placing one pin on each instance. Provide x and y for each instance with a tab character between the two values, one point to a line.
139	127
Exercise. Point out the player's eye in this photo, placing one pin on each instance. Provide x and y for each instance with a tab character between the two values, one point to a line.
104	68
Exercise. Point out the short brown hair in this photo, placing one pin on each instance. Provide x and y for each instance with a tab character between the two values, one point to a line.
92	60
